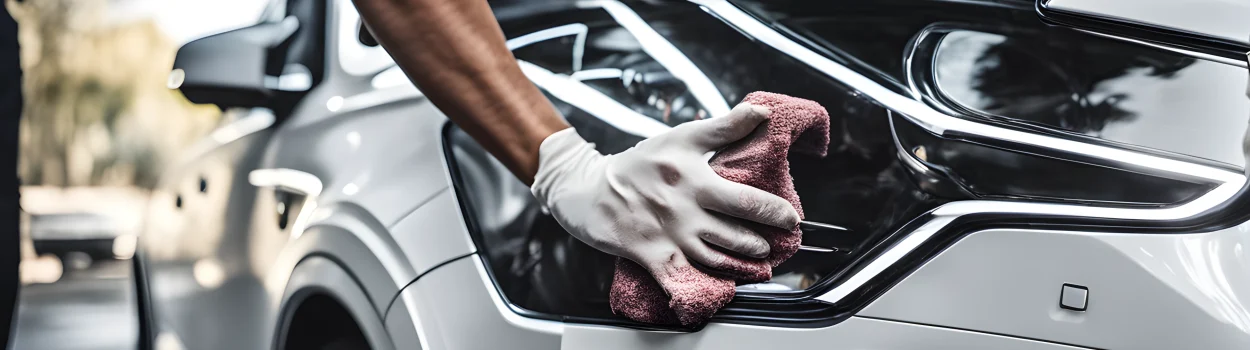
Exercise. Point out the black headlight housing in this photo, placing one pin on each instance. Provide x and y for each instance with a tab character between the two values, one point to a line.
884	177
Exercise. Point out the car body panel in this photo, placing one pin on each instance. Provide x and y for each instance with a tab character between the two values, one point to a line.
360	167
455	310
375	161
344	241
853	334
195	244
428	238
324	275
1008	281
401	327
455	307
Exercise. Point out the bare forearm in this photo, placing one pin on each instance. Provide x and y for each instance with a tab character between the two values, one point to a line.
455	53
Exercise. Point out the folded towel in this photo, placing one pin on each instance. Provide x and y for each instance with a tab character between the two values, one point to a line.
688	296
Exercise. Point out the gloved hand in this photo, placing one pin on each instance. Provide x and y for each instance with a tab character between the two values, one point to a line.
659	203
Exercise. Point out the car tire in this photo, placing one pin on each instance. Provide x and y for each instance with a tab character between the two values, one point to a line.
346	344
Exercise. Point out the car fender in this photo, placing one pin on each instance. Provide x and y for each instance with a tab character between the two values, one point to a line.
323	274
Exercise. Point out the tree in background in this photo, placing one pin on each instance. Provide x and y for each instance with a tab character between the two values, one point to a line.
98	112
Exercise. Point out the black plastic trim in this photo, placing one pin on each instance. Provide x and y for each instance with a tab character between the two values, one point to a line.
143	303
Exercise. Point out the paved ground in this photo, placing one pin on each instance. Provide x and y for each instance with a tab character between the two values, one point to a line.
91	309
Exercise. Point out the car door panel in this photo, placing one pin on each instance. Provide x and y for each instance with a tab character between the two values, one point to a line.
194	246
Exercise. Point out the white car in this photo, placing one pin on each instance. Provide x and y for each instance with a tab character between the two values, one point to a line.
1002	175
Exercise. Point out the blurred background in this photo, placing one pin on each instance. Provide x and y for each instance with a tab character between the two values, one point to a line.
98	128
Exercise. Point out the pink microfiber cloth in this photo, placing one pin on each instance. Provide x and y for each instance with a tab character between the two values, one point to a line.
688	296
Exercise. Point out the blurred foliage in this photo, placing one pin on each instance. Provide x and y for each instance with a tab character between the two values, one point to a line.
97	110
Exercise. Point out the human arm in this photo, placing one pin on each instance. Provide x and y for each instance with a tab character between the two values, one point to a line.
455	53
659	204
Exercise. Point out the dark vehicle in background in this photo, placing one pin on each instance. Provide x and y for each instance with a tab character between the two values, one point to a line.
78	238
1003	175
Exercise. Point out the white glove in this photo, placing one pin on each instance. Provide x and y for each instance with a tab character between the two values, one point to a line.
660	203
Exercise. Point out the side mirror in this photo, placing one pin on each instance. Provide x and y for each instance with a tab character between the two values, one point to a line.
238	68
1214	28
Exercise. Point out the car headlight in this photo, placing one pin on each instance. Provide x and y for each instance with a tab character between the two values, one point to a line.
910	168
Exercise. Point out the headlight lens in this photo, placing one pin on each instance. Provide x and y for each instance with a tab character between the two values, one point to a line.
881	177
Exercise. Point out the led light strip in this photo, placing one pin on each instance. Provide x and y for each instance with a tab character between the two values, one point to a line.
942	124
579	42
667	55
586	98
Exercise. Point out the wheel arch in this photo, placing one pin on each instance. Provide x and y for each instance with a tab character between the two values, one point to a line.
322	275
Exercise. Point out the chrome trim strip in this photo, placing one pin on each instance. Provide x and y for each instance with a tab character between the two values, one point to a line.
1198	55
1222	20
886	259
942	124
823	225
816	249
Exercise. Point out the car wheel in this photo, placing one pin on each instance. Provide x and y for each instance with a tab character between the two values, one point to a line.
346	344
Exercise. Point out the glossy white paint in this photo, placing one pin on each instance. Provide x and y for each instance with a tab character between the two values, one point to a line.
453	309
360	245
361	169
429	236
1168	291
385	211
449	310
354	57
402	328
853	334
